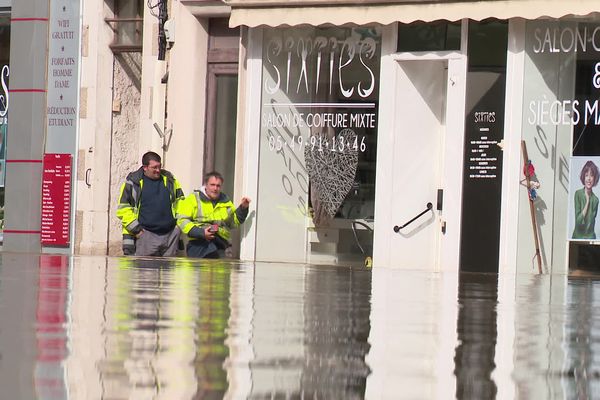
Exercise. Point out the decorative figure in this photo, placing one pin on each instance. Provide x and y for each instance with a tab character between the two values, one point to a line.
532	186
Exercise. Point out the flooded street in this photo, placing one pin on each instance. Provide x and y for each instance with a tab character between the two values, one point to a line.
126	328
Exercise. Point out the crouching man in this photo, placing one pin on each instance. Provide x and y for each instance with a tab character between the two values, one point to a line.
207	216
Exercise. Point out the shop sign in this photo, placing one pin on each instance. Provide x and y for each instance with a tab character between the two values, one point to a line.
548	40
319	102
321	55
567	112
63	76
56	200
482	160
566	39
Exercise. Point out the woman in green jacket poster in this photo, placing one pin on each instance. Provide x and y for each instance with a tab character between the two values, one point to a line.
586	203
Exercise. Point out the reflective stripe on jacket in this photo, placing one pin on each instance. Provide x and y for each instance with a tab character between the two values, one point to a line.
128	208
197	210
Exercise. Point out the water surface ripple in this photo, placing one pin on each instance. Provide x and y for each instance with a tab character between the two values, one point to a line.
131	328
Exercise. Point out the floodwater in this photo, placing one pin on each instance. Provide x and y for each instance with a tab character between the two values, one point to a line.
126	328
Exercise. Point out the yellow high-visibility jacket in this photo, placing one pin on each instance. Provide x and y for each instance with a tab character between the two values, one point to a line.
197	211
128	208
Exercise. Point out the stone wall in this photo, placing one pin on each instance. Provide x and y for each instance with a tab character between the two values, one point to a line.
125	152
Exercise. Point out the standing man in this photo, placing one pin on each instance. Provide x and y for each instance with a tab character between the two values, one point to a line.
147	209
207	217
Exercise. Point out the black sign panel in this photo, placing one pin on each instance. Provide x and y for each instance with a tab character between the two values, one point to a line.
482	175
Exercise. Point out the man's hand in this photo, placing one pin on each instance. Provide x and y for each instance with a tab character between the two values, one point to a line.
245	202
208	233
139	234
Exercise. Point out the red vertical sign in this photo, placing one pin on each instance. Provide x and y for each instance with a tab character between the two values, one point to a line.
56	199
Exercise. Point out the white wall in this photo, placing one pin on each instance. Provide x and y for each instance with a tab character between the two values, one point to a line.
92	207
152	101
186	100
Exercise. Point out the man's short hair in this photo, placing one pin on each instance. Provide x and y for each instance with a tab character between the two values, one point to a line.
150	156
212	174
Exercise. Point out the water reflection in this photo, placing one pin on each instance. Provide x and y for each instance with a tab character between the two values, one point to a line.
477	335
164	329
50	327
556	348
107	328
583	338
309	332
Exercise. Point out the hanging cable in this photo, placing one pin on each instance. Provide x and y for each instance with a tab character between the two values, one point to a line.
162	16
153	7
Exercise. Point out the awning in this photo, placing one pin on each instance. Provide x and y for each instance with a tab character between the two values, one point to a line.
363	12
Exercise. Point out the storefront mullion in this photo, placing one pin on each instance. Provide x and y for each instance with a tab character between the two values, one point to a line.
4	101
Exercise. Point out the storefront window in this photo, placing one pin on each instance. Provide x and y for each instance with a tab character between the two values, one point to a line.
318	144
561	123
4	74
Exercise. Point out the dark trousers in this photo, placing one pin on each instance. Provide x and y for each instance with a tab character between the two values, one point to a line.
201	248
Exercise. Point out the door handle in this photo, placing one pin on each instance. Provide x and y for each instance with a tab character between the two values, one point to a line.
397	228
87	177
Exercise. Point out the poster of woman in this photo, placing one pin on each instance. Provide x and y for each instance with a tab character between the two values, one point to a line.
583	198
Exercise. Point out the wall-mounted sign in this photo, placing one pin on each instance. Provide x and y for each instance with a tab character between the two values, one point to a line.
482	146
482	177
56	199
63	76
484	132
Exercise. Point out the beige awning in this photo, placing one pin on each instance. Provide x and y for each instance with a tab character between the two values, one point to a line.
363	12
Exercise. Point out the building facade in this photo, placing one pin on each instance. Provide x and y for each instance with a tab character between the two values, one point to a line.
358	132
462	102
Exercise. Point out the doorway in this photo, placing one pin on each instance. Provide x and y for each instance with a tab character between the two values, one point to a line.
418	206
419	138
221	101
221	122
221	108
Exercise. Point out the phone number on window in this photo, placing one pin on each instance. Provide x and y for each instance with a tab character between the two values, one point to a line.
319	143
